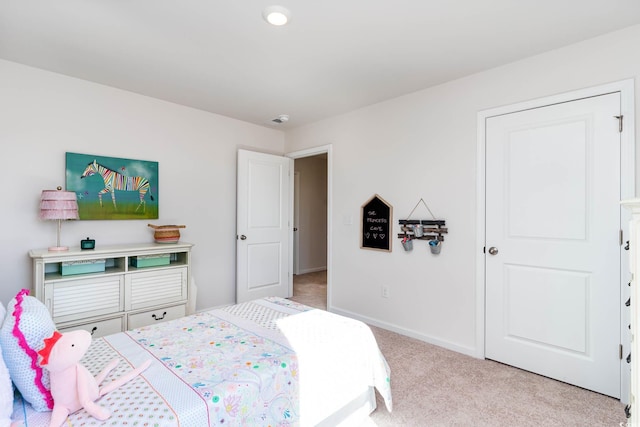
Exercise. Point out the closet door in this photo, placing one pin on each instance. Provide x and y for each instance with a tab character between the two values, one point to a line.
552	240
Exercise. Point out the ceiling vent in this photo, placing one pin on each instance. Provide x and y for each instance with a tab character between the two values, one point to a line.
282	118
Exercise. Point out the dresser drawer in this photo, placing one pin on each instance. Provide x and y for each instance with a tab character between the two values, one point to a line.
158	315
71	300
153	288
99	328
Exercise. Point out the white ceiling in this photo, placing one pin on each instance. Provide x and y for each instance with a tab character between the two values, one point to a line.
333	57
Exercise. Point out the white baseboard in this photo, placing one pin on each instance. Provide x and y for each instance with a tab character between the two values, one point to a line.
469	351
311	270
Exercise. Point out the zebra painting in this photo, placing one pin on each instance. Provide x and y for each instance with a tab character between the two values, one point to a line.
116	181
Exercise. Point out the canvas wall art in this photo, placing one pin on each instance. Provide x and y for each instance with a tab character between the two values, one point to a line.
113	188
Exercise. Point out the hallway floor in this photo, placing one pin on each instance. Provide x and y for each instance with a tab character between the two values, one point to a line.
311	289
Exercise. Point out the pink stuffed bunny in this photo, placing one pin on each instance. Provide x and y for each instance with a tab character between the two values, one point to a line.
72	386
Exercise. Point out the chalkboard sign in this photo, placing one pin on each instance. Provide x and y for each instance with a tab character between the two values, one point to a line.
376	224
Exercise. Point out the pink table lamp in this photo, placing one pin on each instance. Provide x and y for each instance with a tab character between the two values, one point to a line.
58	205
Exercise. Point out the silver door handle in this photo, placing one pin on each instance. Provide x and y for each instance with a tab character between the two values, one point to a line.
243	237
493	250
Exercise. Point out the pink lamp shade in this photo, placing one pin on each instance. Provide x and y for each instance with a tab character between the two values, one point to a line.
58	205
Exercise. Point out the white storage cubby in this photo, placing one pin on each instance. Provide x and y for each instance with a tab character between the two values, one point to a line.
119	298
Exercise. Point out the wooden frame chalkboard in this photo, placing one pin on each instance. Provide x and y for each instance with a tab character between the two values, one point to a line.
375	224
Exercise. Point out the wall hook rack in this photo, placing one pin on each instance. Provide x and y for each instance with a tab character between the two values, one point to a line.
423	229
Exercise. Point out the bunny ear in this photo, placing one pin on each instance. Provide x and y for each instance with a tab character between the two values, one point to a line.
48	346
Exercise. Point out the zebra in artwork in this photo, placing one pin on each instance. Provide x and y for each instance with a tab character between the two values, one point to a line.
116	181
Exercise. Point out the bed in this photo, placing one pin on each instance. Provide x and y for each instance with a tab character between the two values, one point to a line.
268	362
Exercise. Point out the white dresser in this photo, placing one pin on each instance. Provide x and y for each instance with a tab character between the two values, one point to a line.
123	295
634	265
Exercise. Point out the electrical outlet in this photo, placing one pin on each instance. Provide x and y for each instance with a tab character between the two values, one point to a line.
385	292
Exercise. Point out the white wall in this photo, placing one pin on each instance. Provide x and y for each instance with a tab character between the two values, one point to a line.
419	145
312	223
43	115
423	145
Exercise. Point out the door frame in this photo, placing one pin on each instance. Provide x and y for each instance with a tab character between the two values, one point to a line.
627	189
309	152
296	222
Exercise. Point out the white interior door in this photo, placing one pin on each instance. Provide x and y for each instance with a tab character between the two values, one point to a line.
552	241
264	255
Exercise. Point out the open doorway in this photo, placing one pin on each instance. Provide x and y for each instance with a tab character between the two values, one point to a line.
310	231
311	248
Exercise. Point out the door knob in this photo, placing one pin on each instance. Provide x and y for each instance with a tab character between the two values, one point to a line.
295	228
243	237
493	250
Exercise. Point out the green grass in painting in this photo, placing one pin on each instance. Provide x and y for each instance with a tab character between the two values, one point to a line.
125	210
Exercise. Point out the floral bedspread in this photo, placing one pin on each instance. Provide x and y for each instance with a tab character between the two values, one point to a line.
245	378
238	366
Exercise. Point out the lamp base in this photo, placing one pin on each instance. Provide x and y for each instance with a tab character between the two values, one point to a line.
58	248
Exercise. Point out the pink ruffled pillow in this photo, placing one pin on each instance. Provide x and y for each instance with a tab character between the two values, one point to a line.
6	389
26	325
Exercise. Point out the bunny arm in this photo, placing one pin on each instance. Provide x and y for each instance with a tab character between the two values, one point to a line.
103	374
124	378
88	393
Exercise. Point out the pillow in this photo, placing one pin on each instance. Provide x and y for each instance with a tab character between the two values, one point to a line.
26	325
6	389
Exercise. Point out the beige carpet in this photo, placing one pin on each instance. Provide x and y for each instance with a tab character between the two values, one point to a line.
311	289
433	386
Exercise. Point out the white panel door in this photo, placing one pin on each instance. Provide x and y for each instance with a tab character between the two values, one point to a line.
264	200
552	242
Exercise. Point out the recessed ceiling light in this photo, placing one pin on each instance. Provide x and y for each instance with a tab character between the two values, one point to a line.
276	15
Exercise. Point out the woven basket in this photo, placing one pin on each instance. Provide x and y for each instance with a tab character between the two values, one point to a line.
166	233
